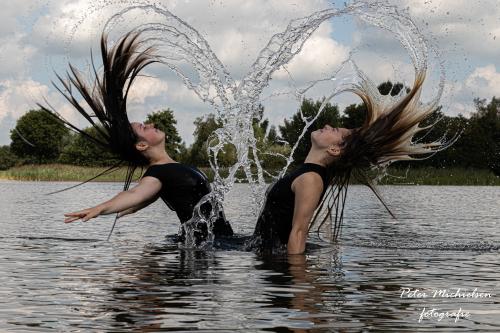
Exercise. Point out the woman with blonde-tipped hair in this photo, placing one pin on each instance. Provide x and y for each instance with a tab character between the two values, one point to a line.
315	192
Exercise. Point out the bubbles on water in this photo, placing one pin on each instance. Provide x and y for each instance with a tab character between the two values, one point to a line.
412	244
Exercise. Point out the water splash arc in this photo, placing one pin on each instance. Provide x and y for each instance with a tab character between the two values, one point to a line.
184	50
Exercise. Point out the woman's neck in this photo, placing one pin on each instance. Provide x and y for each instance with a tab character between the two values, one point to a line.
160	157
317	157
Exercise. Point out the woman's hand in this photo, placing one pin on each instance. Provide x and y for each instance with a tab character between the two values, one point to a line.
85	214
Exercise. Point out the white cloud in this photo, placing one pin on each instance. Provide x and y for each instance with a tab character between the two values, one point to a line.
34	37
145	87
236	32
467	35
233	29
17	97
485	80
319	57
69	28
15	56
460	28
483	83
14	15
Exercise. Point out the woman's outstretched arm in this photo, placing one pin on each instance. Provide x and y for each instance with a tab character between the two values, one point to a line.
146	190
140	206
308	188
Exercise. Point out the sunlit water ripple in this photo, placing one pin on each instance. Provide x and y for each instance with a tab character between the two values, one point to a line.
57	277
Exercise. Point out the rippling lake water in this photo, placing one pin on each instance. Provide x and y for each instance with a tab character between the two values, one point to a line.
68	278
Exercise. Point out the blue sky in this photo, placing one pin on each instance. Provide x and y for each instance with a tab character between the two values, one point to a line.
36	40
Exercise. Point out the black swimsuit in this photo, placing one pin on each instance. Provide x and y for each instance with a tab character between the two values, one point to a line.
182	188
275	221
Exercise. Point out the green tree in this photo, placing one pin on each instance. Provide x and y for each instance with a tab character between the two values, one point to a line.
7	158
292	128
38	137
272	136
183	155
165	121
387	87
483	136
268	144
81	151
260	126
354	116
444	128
204	127
478	145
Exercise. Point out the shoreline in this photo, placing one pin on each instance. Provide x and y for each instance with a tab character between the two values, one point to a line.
395	176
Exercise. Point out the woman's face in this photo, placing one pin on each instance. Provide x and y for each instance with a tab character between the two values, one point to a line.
329	136
148	133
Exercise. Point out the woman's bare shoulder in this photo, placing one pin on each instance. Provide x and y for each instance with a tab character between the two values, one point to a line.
309	181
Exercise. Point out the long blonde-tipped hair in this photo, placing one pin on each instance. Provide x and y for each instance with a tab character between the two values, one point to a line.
386	136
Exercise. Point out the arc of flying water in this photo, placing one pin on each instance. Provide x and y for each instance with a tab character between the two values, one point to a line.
386	17
180	42
237	105
284	46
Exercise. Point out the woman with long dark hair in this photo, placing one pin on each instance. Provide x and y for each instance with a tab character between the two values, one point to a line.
315	193
135	144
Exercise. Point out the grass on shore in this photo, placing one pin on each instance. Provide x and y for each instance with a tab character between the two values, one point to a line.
435	176
413	176
63	172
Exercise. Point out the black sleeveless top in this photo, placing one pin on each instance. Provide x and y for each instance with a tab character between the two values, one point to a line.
275	220
182	188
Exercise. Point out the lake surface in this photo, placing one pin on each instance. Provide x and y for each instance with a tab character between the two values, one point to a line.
68	278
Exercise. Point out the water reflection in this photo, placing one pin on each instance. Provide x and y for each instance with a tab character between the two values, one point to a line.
60	278
166	287
299	293
161	288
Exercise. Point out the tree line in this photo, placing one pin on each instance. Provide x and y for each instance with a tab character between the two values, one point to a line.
39	138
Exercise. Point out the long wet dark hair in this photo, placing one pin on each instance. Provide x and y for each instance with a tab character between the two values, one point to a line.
385	136
106	97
